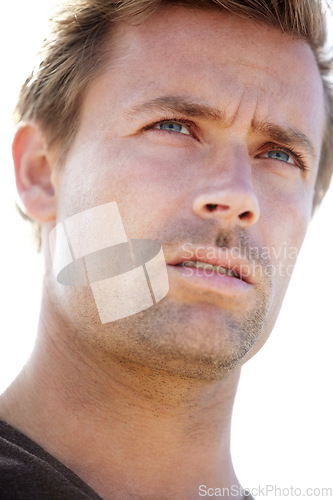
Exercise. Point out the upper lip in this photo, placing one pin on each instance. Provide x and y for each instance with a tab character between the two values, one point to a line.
226	258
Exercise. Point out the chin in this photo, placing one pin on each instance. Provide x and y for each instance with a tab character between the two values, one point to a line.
196	341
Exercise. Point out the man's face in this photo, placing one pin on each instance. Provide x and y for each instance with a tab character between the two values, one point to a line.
206	130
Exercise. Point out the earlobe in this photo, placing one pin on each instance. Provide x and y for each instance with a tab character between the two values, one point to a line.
33	172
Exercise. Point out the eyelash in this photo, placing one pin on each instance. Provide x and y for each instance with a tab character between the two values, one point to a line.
299	158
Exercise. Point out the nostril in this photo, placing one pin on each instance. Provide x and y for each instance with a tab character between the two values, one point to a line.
246	215
211	207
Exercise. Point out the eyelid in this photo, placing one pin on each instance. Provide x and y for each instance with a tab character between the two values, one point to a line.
298	158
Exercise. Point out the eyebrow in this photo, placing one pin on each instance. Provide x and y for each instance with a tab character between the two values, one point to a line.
176	104
288	136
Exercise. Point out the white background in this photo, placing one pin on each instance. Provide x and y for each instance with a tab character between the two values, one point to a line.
282	428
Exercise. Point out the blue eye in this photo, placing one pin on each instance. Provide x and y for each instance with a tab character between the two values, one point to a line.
173	127
278	154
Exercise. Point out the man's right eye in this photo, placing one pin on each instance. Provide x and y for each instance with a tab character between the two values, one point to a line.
172	126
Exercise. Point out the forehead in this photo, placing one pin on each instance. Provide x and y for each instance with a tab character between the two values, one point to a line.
216	59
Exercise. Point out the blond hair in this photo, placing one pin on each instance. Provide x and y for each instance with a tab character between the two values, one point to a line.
74	53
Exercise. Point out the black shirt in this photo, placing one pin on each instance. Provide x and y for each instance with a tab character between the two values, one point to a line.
27	472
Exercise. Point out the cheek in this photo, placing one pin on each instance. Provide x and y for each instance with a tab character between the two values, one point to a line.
285	230
286	206
285	201
149	188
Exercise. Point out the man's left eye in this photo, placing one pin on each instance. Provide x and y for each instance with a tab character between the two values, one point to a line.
278	154
173	127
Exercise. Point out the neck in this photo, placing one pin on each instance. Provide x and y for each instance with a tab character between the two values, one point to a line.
141	426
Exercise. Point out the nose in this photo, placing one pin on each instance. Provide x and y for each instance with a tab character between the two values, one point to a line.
229	196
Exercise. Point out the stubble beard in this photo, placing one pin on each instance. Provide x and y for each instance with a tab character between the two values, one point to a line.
198	340
195	341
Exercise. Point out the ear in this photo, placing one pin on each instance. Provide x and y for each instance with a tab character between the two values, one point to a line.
33	171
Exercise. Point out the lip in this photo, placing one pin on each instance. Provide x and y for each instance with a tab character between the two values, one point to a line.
228	259
220	284
208	281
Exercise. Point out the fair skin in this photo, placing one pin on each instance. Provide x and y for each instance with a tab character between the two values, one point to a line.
151	396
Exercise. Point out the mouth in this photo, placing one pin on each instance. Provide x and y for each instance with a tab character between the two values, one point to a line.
210	267
224	272
223	280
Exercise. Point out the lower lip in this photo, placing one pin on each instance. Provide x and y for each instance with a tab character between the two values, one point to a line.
212	281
